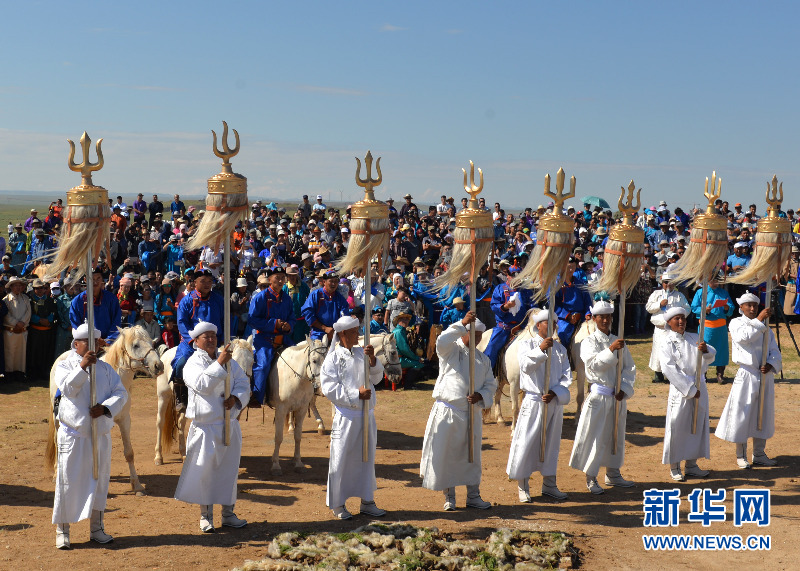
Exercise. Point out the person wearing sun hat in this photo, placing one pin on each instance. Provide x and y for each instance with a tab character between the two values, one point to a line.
342	382
592	448
78	495
739	419
211	469
678	358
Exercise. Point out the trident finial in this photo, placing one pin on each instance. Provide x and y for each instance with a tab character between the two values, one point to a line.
715	193
369	183
471	189
560	197
628	208
226	154
776	199
86	168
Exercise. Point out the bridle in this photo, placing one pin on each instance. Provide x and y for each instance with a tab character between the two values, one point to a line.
141	360
384	342
317	349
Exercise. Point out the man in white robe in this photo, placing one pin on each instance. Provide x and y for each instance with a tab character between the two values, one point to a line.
593	445
342	382
78	495
659	302
211	469
15	327
445	459
678	358
524	458
739	418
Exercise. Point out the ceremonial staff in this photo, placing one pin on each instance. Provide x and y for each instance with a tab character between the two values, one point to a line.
707	250
85	233
226	204
472	245
547	269
773	247
625	244
369	231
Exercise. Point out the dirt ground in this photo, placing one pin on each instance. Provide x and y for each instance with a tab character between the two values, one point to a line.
158	532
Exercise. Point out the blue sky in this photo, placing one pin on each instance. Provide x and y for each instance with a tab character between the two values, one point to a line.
659	92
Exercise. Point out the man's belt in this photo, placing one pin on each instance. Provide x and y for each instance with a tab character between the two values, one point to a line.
599	389
273	339
8	328
506	326
40	327
714	323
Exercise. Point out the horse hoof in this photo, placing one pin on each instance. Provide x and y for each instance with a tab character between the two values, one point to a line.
501	421
141	493
276	471
299	467
321	431
159	461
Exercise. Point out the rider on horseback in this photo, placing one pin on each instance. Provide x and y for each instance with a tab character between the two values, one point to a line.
272	317
510	307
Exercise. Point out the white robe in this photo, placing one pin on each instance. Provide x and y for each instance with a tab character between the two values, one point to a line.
15	344
445	461
211	469
524	456
77	492
678	357
594	436
674	299
739	418
341	377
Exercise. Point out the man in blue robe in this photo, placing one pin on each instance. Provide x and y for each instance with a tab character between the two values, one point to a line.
572	303
272	317
507	321
201	304
107	313
324	306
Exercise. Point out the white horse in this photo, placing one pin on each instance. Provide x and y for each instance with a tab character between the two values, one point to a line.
509	369
386	351
171	426
130	354
291	390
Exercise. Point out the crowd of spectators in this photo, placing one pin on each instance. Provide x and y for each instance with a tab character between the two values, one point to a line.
149	270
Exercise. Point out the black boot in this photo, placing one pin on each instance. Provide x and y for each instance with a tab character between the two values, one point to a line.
181	395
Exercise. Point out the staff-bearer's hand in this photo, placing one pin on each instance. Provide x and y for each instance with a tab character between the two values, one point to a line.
230	401
767	368
470	317
369	351
549	396
225	355
703	346
97	411
475	397
89	358
617	345
620	395
364	393
766	312
546	344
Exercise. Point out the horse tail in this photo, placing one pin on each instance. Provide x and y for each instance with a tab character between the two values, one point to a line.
50	450
168	427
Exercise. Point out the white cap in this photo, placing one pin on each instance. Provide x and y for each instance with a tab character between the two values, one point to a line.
319	197
541	316
202	327
241	282
602	307
82	332
345	322
740	245
55	285
673	311
748	297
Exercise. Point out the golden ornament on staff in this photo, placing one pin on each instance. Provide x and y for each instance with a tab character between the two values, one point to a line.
472	245
547	269
226	204
85	233
773	247
369	231
624	252
708	247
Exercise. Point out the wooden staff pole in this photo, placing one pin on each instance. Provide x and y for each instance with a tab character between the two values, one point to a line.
620	359
547	369
226	328
764	355
92	372
365	403
470	407
701	331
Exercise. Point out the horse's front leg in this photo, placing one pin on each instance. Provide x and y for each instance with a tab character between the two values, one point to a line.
124	423
513	383
298	435
181	433
312	407
498	409
280	419
160	413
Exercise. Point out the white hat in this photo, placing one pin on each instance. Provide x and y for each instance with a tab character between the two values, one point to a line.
740	245
319	197
541	316
241	282
200	328
673	311
602	307
748	297
479	325
82	332
344	323
54	286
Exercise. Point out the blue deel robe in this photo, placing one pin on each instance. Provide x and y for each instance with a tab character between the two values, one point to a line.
323	308
266	308
192	309
107	314
716	331
376	328
570	299
300	329
506	320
